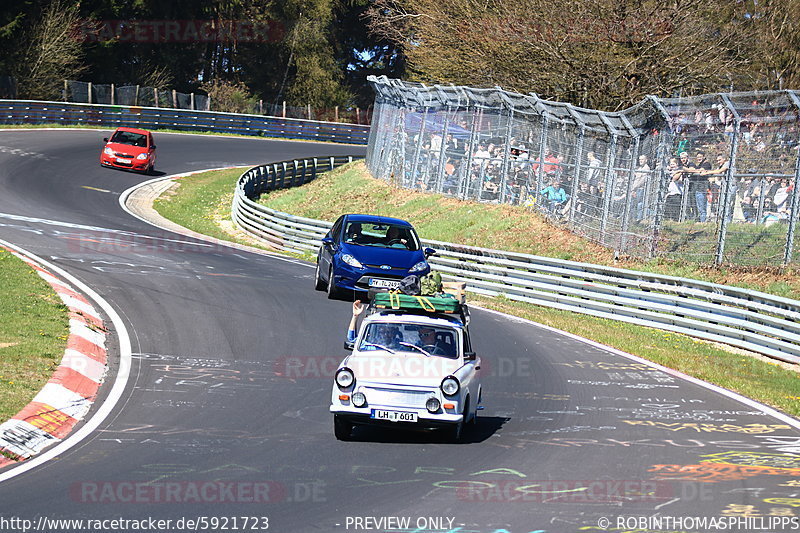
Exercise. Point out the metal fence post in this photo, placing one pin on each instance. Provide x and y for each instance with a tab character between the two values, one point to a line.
795	209
418	148
761	197
662	157
442	150
506	155
399	128
473	136
609	186
374	131
540	168
576	182
626	216
730	186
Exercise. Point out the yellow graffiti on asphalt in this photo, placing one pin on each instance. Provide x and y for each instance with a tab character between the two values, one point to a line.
701	427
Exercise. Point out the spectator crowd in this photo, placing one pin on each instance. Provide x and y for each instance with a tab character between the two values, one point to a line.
598	181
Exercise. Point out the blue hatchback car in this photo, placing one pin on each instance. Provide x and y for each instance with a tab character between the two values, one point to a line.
363	251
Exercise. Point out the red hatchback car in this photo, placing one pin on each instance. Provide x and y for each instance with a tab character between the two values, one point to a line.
130	148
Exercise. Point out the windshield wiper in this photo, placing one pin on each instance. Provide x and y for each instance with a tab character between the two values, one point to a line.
381	346
415	347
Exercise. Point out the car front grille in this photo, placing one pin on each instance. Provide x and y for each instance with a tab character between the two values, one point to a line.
387	270
397	397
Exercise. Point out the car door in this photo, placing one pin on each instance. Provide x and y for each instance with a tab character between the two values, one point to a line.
151	147
472	381
326	252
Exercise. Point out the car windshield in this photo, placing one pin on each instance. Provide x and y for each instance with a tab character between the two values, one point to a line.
438	341
128	137
381	235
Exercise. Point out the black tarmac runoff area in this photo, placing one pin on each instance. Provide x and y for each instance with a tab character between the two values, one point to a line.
223	424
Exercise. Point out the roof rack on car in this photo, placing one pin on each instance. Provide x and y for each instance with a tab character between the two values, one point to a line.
384	301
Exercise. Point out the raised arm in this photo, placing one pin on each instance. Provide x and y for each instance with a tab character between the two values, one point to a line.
358	309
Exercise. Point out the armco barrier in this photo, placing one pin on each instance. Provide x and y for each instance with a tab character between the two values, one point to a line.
752	320
36	112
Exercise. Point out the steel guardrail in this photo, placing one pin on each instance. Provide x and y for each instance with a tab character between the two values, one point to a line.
67	113
747	319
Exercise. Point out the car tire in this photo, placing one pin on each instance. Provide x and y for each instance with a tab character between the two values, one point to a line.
455	432
469	423
333	292
318	283
342	429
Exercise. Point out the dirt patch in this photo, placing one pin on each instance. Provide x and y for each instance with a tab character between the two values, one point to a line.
8	344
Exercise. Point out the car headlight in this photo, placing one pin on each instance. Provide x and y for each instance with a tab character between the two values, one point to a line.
432	405
108	151
359	400
422	265
450	386
143	155
344	378
352	261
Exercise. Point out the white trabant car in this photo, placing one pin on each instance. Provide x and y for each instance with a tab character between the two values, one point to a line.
408	369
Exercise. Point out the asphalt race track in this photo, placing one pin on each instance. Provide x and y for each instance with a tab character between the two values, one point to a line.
225	422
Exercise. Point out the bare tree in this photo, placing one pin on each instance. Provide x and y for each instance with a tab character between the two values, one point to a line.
51	52
777	26
597	53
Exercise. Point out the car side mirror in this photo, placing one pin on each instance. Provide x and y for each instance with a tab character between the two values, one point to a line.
429	252
105	139
470	356
327	242
153	146
349	345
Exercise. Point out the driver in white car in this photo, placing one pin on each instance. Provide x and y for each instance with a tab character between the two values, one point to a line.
432	344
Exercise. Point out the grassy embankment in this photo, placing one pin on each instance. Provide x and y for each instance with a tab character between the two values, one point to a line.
203	204
34	327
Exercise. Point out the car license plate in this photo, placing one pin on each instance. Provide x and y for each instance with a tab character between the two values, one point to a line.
393	416
384	283
124	161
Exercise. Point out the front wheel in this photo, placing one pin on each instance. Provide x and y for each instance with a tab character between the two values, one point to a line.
318	283
342	429
455	432
333	292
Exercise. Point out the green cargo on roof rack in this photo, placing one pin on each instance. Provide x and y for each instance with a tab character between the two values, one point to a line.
431	304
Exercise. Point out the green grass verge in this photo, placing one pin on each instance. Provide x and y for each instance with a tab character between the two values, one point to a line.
203	200
203	204
34	326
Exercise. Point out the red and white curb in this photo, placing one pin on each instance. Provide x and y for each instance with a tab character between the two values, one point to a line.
70	392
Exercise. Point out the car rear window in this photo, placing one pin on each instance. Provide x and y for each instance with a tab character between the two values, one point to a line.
381	235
